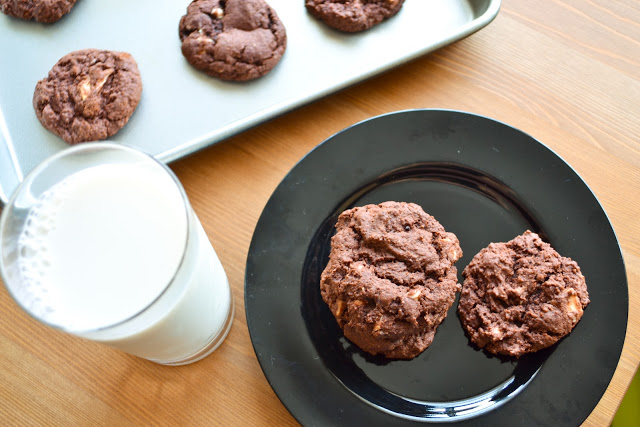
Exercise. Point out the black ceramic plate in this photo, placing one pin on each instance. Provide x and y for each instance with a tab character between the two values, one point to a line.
485	182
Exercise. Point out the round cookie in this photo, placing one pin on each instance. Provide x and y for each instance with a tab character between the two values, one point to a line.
390	278
232	39
353	15
89	95
46	11
521	296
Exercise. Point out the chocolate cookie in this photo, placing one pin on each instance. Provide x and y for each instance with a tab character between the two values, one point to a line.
390	278
46	11
232	39
521	296
88	95
353	15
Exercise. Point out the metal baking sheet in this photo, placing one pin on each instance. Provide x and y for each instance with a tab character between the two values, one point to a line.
183	110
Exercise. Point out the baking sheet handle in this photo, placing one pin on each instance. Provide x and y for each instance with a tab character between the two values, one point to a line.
10	173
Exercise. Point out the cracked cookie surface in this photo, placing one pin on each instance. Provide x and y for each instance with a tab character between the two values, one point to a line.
232	39
45	11
88	95
390	279
353	15
521	296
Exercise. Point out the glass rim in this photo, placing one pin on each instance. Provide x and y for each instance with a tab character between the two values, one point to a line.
94	146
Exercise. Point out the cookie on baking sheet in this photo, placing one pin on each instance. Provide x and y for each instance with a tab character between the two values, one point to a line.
232	39
46	11
89	95
353	15
521	296
390	278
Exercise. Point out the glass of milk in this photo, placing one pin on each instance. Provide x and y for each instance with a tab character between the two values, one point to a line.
100	241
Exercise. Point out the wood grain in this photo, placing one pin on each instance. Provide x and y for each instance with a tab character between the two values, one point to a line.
567	72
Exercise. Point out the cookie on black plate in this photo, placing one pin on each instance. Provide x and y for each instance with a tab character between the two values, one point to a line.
353	15
46	11
232	39
89	95
521	296
390	279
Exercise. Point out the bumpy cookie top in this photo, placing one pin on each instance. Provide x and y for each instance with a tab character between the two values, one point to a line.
88	95
521	296
390	278
232	39
355	15
46	11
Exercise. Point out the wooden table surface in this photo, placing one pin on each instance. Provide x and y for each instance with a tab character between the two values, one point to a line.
565	71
